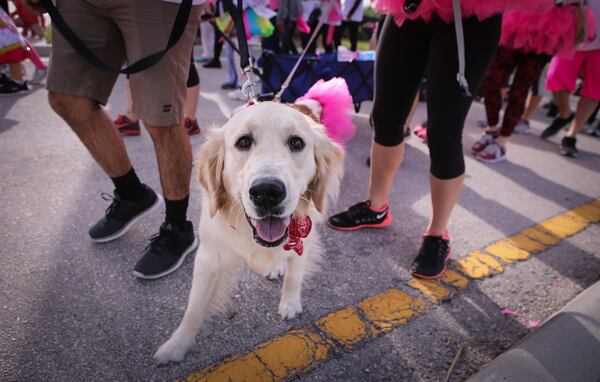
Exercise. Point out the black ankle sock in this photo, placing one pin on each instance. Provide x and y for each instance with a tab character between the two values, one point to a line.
176	211
129	186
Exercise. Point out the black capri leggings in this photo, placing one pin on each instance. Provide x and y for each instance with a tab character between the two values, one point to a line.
404	55
193	78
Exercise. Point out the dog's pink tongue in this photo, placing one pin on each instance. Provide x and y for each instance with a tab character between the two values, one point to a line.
272	228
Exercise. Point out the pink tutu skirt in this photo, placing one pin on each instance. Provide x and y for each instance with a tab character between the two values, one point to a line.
482	9
552	32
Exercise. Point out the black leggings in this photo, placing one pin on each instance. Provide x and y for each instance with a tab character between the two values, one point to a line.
193	78
404	55
353	27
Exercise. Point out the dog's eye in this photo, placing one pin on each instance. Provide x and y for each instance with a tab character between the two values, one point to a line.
244	142
296	144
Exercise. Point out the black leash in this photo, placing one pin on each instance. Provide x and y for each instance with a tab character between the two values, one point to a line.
179	25
238	22
249	88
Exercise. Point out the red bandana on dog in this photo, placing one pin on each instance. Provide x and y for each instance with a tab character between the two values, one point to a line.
298	229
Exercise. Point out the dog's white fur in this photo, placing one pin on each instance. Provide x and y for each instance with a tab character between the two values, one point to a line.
310	176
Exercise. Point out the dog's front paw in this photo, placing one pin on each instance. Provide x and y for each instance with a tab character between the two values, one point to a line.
173	350
277	271
290	309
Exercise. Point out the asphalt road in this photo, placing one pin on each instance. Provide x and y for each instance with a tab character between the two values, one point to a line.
71	309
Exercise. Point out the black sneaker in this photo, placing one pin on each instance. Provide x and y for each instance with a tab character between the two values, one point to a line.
430	263
361	216
123	214
567	147
228	86
552	109
8	86
556	125
166	251
215	63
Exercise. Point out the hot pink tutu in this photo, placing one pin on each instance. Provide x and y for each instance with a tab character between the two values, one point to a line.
482	9
552	32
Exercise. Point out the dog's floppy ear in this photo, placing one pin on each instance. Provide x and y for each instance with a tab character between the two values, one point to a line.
210	162
329	157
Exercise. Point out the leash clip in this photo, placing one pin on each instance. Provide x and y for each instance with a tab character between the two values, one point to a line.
249	88
464	85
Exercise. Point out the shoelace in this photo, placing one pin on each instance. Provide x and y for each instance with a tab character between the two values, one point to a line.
114	205
436	244
357	210
121	119
154	241
486	138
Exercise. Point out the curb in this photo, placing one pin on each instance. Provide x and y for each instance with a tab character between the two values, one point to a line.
565	348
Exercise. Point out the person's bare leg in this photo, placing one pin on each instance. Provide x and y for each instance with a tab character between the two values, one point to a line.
37	30
191	102
492	129
585	108
174	155
444	196
501	140
561	98
532	105
385	161
15	72
412	112
129	113
95	130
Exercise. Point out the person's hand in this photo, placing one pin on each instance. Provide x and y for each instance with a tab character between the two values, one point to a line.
34	6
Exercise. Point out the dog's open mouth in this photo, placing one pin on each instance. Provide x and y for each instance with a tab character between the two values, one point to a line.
270	231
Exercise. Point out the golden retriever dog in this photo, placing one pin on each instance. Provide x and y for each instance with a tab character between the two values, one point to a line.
266	176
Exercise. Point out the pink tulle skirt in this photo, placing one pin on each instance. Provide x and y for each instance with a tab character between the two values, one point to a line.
482	9
552	32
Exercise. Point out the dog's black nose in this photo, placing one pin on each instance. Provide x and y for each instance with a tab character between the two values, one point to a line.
267	193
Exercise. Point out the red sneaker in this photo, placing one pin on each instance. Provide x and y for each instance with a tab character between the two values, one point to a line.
126	126
421	131
191	126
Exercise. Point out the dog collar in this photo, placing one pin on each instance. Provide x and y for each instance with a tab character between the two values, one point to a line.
298	229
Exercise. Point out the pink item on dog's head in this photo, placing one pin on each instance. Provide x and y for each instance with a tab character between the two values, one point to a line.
335	101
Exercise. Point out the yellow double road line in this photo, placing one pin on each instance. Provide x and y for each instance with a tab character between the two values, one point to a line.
301	350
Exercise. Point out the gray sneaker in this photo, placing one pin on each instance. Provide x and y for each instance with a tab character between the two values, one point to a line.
38	76
522	127
483	142
493	153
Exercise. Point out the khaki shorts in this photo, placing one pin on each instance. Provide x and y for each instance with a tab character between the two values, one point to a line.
118	31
